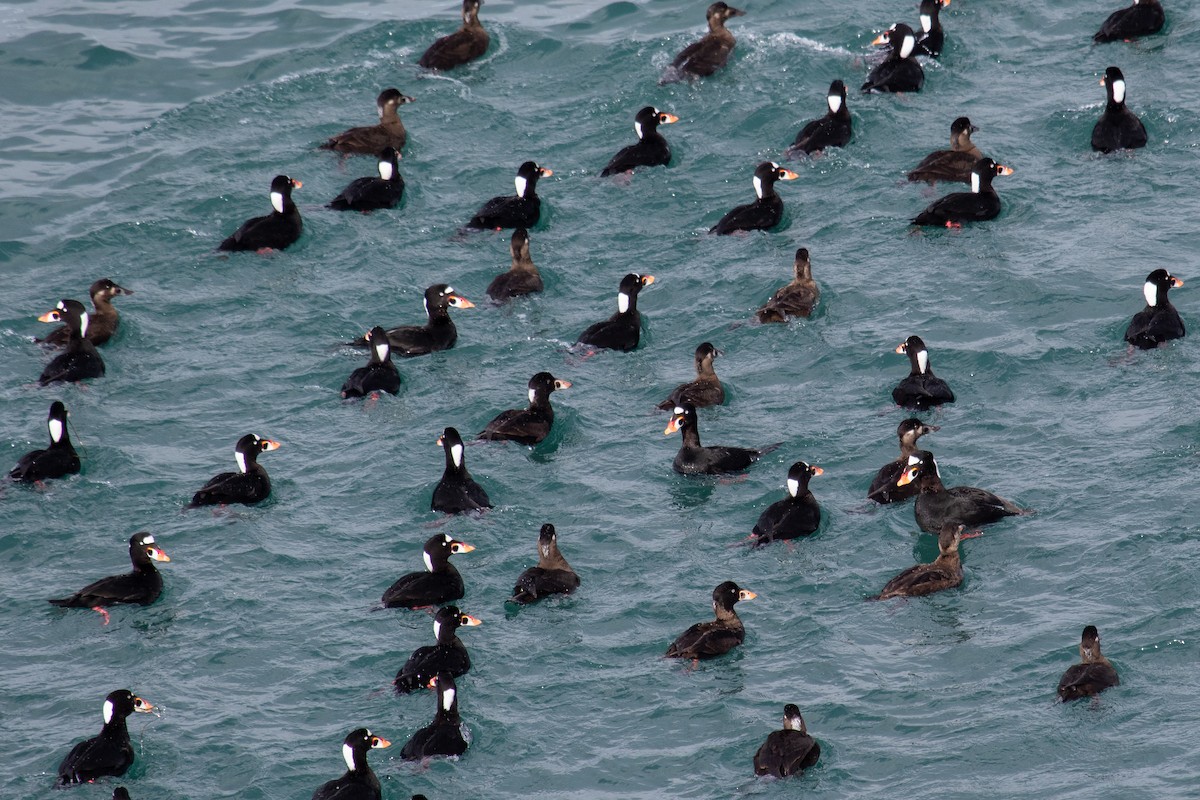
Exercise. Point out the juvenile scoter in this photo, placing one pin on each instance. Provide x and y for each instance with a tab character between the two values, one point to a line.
623	330
248	485
1158	322
380	374
922	389
466	44
370	193
979	204
57	460
109	752
794	516
447	655
788	751
706	389
956	164
359	782
944	572
520	210
275	231
938	506
80	360
883	487
704	57
1118	128
438	333
831	130
717	636
439	583
369	140
899	72
522	278
1092	675
443	736
767	209
694	459
552	575
527	425
932	37
797	298
651	149
102	322
457	492
142	586
1142	18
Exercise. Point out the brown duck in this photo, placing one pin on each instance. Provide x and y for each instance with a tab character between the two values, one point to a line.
883	488
552	575
706	389
466	44
945	572
102	323
717	636
372	139
954	164
797	298
522	278
1092	675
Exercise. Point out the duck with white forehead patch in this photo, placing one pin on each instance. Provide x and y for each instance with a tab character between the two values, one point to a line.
522	277
883	488
80	360
380	374
530	425
457	492
832	130
248	485
438	332
368	140
944	572
447	655
1158	322
141	587
1142	18
706	389
552	575
359	782
444	735
57	460
439	583
109	752
980	204
715	637
705	56
899	72
275	231
623	330
797	298
1092	675
374	192
956	164
1118	128
794	516
466	44
767	209
789	751
932	38
695	459
651	149
520	210
922	389
938	506
102	321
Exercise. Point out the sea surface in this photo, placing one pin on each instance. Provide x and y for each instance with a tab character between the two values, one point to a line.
137	135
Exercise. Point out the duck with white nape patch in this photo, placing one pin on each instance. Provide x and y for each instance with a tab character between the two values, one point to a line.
457	492
937	506
359	781
140	587
275	231
447	654
766	211
623	330
922	389
520	210
80	360
1118	128
978	205
249	485
374	192
832	130
794	516
438	333
899	72
695	459
439	583
932	37
109	752
57	460
380	374
1158	322
527	426
444	735
651	149
883	488
102	321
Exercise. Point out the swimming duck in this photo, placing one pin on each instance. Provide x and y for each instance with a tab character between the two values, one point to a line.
831	130
1118	128
80	360
109	752
956	164
369	140
883	487
380	374
706	389
466	44
1092	675
651	149
249	485
705	56
522	278
102	322
1142	18
899	72
623	330
794	516
766	211
439	583
438	332
457	492
552	575
922	389
520	210
370	193
945	572
938	506
447	655
142	586
717	636
797	298
979	204
275	231
1158	322
788	751
55	461
359	781
530	425
695	459
443	736
932	37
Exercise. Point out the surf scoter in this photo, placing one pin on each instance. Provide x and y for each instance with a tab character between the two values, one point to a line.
57	460
530	425
706	389
956	164
883	487
369	140
439	583
944	572
276	230
797	298
767	209
717	636
831	130
899	72
794	516
120	793
705	56
359	781
443	736
370	193
979	204
623	330
447	655
142	586
380	374
938	506
1158	322
651	149
552	575
788	751
438	333
922	389
248	485
457	492
932	37
102	322
694	459
466	44
1118	128
80	360
1142	18
1092	675
109	752
522	278
520	210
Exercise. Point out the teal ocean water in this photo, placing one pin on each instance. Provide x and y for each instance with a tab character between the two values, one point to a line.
138	135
